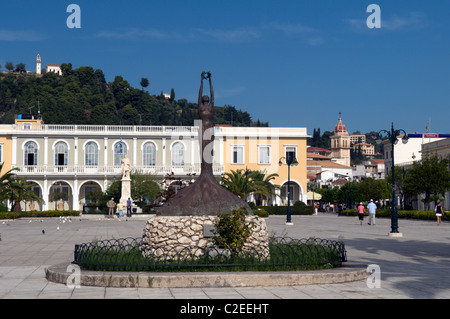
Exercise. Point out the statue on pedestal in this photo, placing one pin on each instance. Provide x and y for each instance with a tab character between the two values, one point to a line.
126	167
126	180
205	197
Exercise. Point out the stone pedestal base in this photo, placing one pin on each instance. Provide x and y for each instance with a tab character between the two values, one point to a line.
180	236
126	190
395	235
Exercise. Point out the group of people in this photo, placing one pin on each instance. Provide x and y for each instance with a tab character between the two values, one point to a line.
371	209
111	204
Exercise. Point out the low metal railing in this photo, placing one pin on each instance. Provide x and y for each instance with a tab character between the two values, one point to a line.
284	254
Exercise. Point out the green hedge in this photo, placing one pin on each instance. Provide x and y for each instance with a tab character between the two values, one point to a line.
48	213
410	214
281	210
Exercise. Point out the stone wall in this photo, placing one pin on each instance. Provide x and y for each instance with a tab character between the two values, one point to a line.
173	236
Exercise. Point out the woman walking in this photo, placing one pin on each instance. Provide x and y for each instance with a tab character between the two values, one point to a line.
439	212
361	213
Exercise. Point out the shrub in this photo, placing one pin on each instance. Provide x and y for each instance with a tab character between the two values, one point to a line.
260	212
409	214
233	230
48	213
295	210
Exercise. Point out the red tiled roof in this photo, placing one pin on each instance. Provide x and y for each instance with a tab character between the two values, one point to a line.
318	149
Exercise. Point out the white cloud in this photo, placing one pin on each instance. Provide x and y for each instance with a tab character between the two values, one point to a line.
231	35
292	29
14	36
310	35
412	20
136	34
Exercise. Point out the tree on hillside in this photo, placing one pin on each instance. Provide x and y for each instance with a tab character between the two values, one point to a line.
320	140
20	67
144	83
82	96
9	66
66	69
172	95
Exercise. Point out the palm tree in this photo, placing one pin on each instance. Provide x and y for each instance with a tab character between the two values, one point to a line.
16	189
237	182
265	187
23	192
6	180
244	182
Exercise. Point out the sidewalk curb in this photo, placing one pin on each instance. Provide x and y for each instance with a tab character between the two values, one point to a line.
348	273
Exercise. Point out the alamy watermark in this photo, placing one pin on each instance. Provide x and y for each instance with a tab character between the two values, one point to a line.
374	279
74	19
374	19
74	280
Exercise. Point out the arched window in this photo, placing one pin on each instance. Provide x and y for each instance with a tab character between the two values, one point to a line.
149	154
120	150
61	151
178	154
31	152
91	154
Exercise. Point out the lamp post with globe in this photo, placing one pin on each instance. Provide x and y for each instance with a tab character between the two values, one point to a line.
392	136
290	161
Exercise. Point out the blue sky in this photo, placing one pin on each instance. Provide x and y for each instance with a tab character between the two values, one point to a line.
291	63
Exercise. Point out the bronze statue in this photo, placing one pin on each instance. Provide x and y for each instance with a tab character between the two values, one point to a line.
205	197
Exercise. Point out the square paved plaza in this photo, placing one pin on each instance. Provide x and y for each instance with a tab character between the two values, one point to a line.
413	266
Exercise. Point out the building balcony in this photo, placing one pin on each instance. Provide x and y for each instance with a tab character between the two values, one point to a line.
102	130
81	170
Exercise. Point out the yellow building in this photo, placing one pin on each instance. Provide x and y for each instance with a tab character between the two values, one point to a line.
77	159
5	152
262	149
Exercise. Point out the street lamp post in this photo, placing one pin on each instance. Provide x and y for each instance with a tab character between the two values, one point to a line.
290	161
392	137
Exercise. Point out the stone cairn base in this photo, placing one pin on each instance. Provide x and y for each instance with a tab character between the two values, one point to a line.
172	237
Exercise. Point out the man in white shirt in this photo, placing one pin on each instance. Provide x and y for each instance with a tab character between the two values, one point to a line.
372	210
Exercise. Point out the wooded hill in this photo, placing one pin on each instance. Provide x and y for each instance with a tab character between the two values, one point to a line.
82	96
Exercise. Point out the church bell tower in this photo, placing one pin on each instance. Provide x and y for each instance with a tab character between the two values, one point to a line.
38	64
340	143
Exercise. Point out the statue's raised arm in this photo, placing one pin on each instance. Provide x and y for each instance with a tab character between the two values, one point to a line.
205	99
200	93
211	90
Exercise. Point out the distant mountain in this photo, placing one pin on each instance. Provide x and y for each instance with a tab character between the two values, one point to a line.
82	96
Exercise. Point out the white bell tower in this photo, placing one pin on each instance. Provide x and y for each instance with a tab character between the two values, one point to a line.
38	64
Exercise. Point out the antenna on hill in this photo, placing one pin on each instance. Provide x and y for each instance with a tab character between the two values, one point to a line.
428	125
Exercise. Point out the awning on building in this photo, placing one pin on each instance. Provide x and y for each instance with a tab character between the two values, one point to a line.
317	196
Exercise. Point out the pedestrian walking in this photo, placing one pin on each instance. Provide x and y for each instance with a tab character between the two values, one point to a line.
372	207
120	209
129	203
111	204
439	212
361	213
339	210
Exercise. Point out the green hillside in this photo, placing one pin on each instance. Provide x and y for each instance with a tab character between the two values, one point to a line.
82	96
